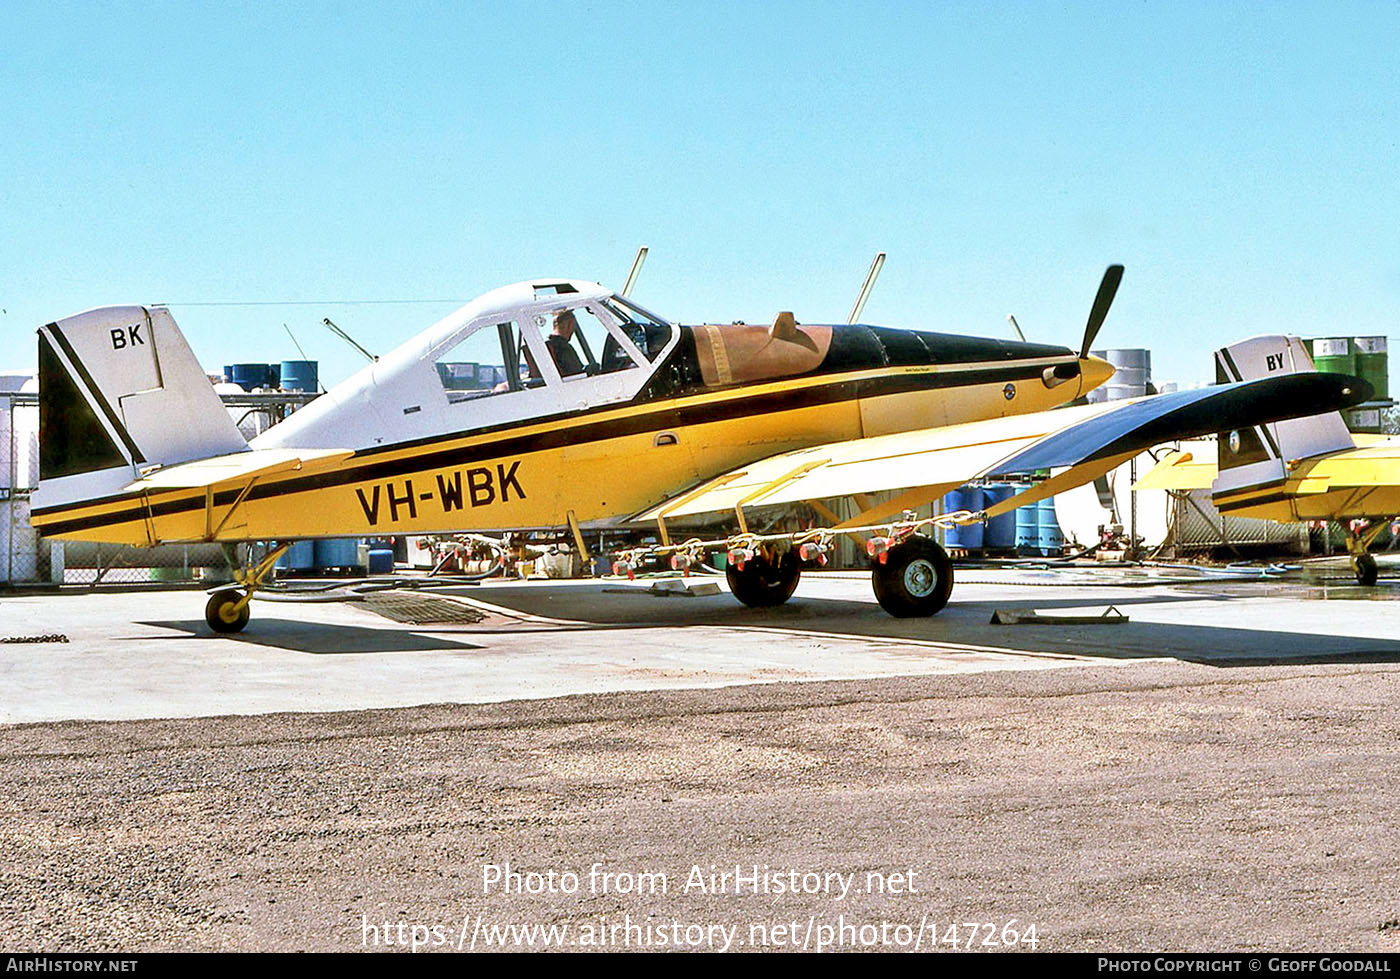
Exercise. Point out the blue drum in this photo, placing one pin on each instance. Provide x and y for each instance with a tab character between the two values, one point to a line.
964	537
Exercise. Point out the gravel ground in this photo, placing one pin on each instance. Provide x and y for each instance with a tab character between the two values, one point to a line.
1161	806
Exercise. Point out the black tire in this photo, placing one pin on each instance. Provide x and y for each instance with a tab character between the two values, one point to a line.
764	583
218	612
1366	571
915	580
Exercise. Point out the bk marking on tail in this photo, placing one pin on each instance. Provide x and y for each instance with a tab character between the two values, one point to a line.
129	337
457	490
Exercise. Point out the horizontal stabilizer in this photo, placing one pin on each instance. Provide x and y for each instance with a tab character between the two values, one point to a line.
236	468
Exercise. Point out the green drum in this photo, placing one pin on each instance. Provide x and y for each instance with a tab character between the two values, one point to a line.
1333	355
1373	364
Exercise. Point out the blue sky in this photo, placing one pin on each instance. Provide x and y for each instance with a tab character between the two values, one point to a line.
1240	159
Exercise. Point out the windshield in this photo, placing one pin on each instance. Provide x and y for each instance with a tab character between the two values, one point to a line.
650	333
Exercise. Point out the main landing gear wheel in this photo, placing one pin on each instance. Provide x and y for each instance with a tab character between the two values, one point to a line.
765	582
915	579
1364	565
224	612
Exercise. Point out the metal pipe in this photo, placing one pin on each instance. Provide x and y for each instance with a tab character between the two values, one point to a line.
636	271
870	278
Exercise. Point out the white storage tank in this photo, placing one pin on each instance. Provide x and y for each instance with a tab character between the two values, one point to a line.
19	542
6	540
19	474
1132	368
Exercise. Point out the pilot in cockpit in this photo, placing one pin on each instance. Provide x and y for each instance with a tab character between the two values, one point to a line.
566	358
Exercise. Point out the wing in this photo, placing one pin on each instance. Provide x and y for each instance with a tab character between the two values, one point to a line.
1188	468
1088	439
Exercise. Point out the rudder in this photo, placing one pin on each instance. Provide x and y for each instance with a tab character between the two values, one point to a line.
1258	457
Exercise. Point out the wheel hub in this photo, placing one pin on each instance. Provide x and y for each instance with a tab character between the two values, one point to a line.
228	610
920	578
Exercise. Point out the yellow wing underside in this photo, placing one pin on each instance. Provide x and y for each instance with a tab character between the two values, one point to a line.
1374	462
931	460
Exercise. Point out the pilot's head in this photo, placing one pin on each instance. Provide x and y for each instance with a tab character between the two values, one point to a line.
565	324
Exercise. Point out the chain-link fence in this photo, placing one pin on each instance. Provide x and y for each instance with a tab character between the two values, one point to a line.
22	555
112	564
1197	525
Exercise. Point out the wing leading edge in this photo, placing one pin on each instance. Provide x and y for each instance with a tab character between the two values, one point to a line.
1087	439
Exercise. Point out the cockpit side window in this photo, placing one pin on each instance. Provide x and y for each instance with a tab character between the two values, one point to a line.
477	366
585	342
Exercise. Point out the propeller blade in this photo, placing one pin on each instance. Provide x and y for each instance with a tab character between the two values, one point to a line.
1108	288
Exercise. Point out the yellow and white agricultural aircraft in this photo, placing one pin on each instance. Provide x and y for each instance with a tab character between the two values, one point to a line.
1294	471
556	402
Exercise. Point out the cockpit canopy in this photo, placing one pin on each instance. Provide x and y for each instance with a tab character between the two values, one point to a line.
530	350
565	336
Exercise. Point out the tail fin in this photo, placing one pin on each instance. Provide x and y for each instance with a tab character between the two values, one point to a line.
1254	458
120	392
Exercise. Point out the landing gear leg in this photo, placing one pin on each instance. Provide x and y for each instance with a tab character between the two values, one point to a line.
766	579
915	578
227	609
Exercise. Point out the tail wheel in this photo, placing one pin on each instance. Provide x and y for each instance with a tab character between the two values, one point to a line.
915	579
1365	567
765	581
222	611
